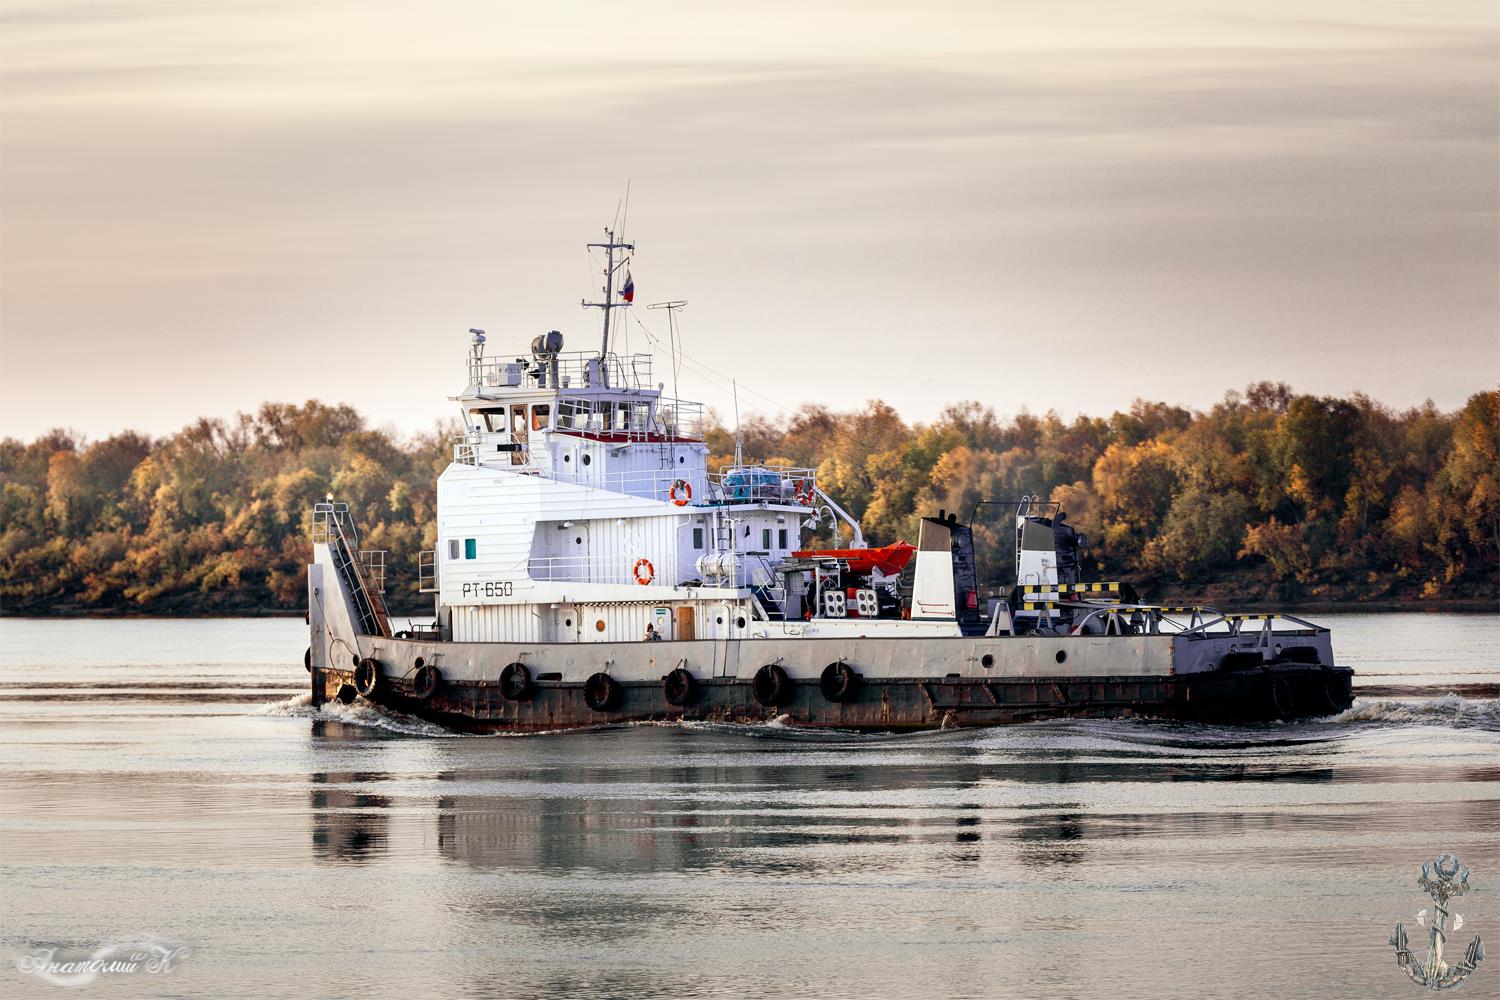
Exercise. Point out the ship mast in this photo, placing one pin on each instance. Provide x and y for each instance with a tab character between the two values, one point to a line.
609	246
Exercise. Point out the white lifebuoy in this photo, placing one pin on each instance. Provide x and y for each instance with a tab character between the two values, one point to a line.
649	574
687	492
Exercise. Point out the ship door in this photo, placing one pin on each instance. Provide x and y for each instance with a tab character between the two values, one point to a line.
721	622
565	624
518	434
685	624
577	563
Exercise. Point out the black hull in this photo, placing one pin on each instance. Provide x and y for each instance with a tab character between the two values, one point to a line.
1262	694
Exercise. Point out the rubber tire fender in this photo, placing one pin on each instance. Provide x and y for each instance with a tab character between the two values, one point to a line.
1333	693
679	687
1283	702
838	682
515	681
367	676
602	692
307	659
425	682
771	686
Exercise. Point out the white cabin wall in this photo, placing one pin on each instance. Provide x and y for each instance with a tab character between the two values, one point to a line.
497	623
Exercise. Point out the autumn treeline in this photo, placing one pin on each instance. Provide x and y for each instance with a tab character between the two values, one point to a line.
1268	494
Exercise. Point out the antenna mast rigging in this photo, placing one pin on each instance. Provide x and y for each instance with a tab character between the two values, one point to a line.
609	246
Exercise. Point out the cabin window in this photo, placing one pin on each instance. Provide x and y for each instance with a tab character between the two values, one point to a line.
541	417
781	538
453	548
641	421
573	414
765	538
697	538
490	419
471	548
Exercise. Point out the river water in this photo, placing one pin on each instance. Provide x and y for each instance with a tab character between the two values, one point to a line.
164	784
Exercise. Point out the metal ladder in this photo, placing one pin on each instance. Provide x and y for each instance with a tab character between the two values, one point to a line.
330	521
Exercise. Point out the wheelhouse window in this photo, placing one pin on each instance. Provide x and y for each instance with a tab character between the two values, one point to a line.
541	417
574	414
489	419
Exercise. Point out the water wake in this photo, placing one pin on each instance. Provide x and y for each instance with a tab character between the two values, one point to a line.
1448	710
360	713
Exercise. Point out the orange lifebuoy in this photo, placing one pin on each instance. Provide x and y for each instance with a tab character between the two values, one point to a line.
687	492
650	571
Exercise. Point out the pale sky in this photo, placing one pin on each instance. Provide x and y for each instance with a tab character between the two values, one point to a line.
1053	206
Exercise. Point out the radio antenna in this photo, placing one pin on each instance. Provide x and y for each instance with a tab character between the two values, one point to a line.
671	308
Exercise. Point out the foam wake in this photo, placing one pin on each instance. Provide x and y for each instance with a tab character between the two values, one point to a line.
1448	710
361	713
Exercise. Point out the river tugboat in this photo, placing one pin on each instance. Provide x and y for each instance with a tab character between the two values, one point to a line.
590	570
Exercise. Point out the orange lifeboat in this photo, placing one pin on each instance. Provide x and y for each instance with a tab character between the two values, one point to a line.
889	559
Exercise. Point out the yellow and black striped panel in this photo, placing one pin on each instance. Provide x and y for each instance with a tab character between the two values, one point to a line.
1251	618
1038	606
1070	588
1154	608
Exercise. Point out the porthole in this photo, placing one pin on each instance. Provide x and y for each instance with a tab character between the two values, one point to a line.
578	540
739	622
681	459
599	625
719	620
1062	656
567	458
587	459
987	660
567	623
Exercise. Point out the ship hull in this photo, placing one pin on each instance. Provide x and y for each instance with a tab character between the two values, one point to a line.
475	699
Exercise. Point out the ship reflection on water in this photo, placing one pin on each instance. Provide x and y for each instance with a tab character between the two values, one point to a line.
671	817
615	860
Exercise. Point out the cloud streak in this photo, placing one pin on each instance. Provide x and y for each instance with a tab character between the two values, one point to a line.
1165	217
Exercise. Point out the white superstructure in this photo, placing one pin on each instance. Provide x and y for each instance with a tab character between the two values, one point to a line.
579	508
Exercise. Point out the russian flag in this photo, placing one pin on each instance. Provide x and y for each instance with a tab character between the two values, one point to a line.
627	292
